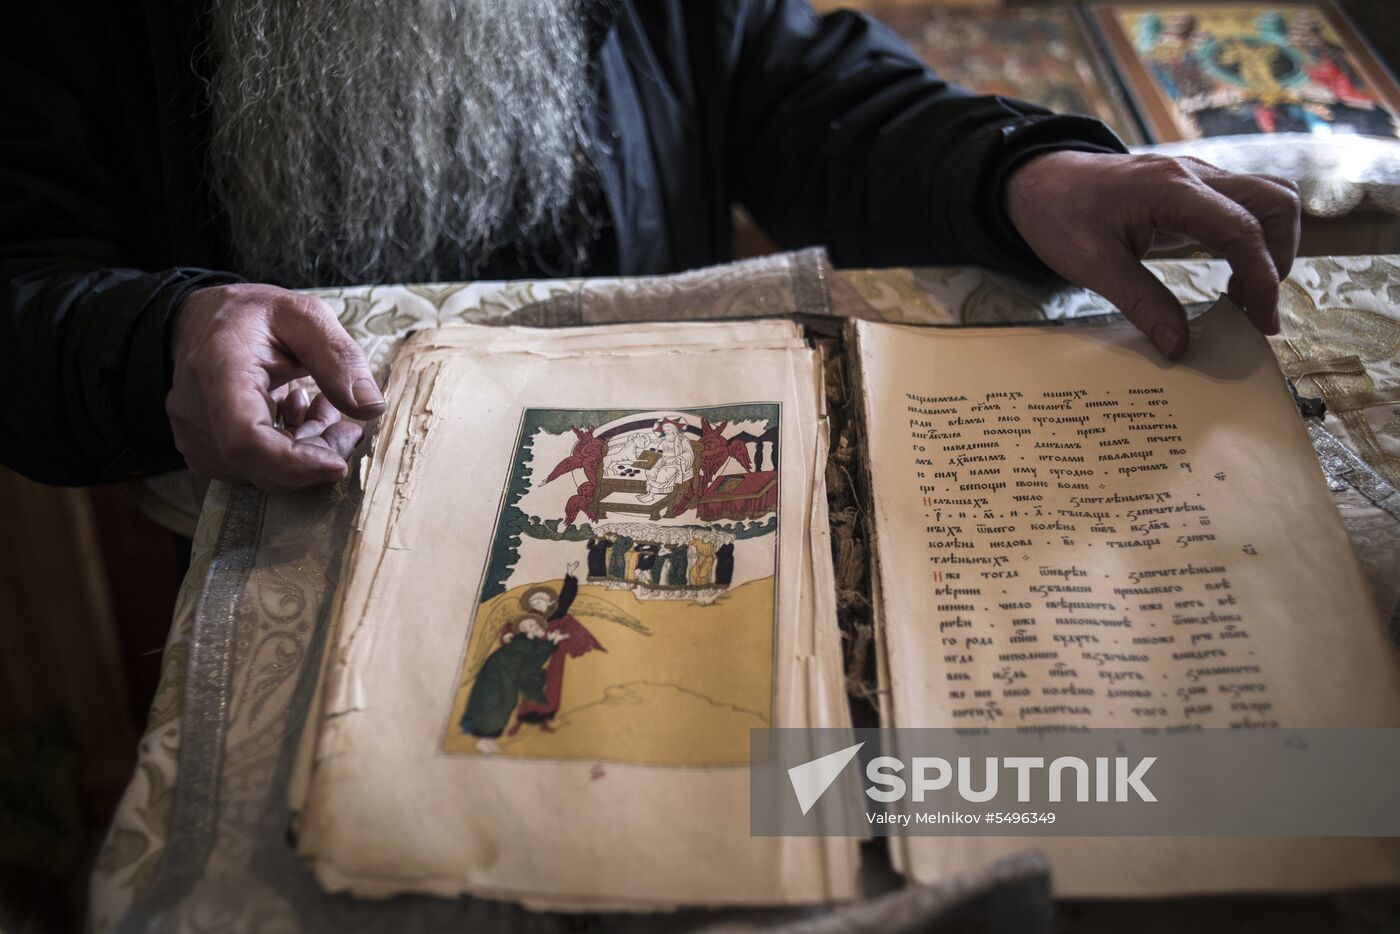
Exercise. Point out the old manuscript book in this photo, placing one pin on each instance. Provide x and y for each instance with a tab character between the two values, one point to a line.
589	561
584	569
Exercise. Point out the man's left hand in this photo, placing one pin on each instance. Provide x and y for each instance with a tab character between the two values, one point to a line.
1092	218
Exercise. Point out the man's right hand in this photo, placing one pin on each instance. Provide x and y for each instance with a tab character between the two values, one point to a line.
235	348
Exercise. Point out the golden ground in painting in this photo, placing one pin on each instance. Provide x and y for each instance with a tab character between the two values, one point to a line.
687	694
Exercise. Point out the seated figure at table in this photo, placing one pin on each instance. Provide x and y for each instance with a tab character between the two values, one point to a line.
677	462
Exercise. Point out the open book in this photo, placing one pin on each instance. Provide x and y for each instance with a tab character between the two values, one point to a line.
589	561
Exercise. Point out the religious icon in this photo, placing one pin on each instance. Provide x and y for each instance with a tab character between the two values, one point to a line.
660	651
1042	54
1206	69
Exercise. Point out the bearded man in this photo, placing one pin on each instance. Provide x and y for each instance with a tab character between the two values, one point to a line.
168	170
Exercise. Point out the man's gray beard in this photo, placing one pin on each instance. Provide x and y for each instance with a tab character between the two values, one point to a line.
371	141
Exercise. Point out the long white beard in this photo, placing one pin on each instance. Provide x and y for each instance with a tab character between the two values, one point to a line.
365	140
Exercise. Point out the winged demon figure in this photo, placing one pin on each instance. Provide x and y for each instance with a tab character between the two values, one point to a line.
587	455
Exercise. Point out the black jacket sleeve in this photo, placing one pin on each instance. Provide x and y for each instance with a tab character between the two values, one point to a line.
83	350
842	136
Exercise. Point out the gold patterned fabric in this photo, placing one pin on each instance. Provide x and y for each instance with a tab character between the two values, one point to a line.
1341	343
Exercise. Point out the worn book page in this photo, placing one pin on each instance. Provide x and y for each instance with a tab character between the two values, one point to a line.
1072	531
583	571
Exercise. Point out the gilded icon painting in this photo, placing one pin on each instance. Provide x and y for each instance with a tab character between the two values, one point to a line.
1205	70
1038	54
627	611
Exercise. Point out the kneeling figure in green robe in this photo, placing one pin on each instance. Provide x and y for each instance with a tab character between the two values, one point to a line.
512	671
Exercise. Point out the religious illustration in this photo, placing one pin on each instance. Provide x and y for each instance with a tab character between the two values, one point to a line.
627	611
1254	68
1041	55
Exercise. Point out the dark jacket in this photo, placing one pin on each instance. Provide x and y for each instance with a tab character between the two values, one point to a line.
829	130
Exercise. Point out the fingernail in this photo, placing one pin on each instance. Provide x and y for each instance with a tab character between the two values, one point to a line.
1167	339
366	393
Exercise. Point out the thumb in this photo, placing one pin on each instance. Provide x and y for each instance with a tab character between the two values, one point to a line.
1144	301
308	328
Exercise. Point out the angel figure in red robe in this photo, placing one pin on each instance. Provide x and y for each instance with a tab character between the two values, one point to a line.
576	641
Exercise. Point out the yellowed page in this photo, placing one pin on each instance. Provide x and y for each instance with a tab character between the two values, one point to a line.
425	346
632	790
1073	531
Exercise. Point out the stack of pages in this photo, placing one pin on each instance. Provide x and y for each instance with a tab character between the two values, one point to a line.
587	563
